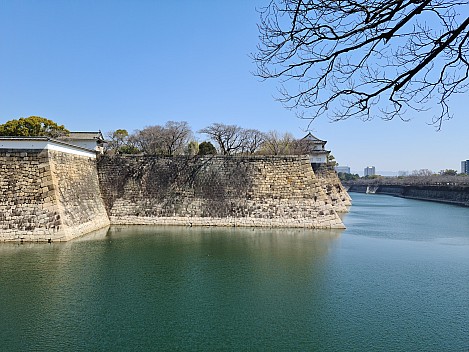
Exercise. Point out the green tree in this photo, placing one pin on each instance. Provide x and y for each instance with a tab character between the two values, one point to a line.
331	160
206	148
120	135
32	126
345	176
128	149
116	140
448	172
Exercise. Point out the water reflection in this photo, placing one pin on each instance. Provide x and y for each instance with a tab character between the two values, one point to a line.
297	243
172	281
395	279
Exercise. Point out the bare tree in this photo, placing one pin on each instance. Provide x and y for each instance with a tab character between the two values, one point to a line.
362	58
228	137
150	140
169	140
176	137
251	140
276	144
300	147
422	172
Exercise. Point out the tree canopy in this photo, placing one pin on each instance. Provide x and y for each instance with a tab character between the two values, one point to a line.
176	138
32	126
232	139
228	137
448	172
207	148
168	140
117	140
362	58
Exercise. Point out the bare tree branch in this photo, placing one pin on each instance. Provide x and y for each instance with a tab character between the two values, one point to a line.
228	137
365	58
168	140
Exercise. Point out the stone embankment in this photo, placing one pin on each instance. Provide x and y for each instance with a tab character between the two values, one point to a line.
215	191
53	191
449	193
333	188
48	195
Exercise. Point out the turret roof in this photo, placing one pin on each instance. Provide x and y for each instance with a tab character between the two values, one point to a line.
310	137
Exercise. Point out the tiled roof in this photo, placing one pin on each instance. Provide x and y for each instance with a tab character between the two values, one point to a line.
84	135
313	139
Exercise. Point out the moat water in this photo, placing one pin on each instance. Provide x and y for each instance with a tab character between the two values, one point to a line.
397	279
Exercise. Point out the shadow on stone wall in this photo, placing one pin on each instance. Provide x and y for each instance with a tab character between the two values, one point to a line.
280	191
165	186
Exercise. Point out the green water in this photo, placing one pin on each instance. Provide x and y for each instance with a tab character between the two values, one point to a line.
396	280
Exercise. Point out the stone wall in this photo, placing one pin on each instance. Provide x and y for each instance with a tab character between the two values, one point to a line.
77	193
47	195
458	195
51	195
389	190
333	188
26	206
445	194
215	190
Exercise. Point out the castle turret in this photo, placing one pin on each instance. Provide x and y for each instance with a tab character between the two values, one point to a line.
316	149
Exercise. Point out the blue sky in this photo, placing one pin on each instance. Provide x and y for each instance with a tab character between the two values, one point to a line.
129	64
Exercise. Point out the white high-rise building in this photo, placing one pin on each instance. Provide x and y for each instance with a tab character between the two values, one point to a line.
465	167
369	171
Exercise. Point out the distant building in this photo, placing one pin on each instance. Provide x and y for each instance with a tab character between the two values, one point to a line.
316	149
89	140
465	167
344	169
369	171
403	173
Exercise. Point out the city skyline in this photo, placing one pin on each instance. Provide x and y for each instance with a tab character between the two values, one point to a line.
107	65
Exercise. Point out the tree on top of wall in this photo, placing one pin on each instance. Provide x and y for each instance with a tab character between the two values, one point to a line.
228	137
168	140
277	144
232	139
32	126
207	148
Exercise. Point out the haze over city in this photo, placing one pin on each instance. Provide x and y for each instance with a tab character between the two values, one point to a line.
109	65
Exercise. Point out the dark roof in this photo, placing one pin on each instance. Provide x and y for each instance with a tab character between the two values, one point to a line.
84	136
317	152
313	139
33	138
